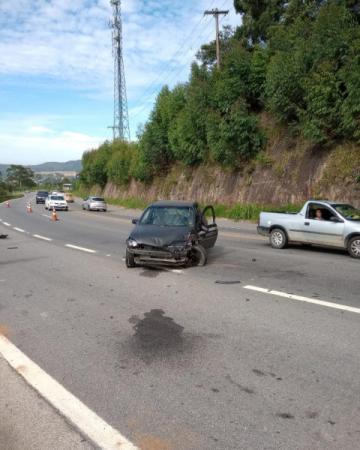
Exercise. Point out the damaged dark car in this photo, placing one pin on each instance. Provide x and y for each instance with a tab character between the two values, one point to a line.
172	233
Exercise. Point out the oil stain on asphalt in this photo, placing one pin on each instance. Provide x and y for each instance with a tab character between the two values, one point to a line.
157	336
156	331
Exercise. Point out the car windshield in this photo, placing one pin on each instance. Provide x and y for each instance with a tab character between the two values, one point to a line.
348	212
57	197
168	216
42	194
97	199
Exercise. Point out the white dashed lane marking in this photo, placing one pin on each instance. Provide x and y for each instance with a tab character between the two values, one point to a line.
19	229
38	236
82	249
84	419
7	224
304	299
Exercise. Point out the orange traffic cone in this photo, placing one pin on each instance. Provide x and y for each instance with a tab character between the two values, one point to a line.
54	216
29	208
8	204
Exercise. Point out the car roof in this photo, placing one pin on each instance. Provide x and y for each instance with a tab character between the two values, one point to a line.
328	202
174	203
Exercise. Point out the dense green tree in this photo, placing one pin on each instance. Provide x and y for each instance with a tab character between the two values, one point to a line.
20	177
155	148
122	163
259	16
188	135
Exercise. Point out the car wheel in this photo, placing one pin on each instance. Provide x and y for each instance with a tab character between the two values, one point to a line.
353	247
278	238
88	208
129	260
198	255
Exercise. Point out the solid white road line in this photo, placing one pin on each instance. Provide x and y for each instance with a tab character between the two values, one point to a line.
83	249
38	236
7	224
304	299
19	229
83	418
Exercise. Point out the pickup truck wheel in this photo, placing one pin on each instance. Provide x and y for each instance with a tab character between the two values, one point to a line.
278	238
129	260
198	255
354	247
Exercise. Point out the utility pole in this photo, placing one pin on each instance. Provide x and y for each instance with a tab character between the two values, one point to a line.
121	129
216	13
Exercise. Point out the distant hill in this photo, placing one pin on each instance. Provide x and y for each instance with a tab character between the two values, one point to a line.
68	166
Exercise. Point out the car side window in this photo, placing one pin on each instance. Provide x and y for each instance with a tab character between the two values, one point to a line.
319	212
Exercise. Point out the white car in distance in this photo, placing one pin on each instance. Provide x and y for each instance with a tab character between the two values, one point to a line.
56	202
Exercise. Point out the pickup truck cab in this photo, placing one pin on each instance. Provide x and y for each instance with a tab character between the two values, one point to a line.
324	223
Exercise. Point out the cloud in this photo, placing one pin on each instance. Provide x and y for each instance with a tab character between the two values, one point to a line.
66	44
23	143
71	40
39	129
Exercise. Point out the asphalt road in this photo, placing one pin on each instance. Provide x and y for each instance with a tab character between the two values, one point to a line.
175	360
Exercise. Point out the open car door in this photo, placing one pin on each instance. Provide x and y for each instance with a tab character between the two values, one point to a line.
209	230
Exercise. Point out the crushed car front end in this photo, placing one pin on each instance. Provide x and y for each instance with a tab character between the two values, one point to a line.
175	254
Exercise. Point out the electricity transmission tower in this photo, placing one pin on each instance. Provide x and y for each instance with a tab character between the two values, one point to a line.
121	129
216	13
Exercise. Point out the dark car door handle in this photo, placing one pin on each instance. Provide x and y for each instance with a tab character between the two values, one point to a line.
307	223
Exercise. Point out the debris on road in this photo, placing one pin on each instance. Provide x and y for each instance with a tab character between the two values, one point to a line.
3	236
227	282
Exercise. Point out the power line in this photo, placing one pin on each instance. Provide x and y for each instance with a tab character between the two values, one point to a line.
158	78
175	71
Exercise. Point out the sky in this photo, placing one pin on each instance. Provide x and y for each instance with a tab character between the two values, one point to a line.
56	68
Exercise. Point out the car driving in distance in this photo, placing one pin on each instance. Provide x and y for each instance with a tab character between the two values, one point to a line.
56	202
41	196
69	197
94	204
172	233
324	223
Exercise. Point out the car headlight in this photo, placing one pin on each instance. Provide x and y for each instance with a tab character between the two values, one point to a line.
132	243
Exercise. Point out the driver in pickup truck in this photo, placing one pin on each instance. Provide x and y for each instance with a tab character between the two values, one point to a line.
318	215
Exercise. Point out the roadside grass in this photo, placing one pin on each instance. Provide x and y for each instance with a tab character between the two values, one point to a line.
12	196
130	203
237	211
250	211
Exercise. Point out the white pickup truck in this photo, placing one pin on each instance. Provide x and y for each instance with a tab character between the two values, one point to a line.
322	223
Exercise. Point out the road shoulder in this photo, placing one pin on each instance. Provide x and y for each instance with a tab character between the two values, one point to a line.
28	421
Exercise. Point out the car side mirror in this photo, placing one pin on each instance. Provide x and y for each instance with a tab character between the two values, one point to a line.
134	221
336	219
